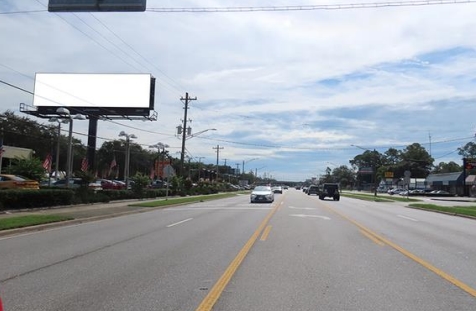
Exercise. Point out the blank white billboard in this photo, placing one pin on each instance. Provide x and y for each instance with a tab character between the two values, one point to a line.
93	90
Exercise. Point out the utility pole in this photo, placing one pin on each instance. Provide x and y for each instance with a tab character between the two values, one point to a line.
218	157
187	99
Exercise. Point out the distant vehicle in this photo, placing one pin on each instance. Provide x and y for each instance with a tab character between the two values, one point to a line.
277	189
439	193
395	191
8	181
76	183
304	189
298	187
314	189
157	184
262	194
330	190
110	184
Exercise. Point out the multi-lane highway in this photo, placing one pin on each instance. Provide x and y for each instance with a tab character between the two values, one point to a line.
299	253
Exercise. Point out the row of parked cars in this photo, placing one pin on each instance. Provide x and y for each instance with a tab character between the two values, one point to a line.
425	192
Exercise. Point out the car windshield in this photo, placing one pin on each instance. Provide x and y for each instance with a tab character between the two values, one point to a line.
238	155
262	188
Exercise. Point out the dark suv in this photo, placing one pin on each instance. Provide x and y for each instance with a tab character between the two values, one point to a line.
313	189
331	191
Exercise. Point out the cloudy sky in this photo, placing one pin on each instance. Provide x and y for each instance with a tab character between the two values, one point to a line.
288	92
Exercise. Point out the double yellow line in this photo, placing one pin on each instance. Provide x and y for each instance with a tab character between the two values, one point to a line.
209	301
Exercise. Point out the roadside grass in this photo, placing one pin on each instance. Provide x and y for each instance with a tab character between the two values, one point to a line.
184	200
456	210
372	198
30	220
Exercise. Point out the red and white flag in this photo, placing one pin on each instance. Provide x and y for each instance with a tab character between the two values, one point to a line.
84	165
113	165
47	163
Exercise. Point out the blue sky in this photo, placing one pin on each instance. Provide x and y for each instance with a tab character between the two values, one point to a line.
288	92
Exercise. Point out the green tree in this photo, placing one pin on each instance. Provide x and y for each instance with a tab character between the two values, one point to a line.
140	183
449	167
468	150
415	159
30	168
344	175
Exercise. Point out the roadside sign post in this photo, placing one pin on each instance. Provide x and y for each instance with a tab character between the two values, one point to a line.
407	175
167	172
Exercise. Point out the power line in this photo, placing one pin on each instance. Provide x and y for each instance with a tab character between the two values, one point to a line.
23	12
347	6
16	87
180	87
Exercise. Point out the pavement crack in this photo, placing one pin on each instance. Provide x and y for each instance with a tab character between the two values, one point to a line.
74	257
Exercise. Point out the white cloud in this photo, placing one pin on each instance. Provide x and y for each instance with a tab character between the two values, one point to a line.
258	76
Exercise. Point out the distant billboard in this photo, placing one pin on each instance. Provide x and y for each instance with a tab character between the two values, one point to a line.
95	94
96	5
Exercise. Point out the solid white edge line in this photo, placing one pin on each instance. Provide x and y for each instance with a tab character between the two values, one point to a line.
180	222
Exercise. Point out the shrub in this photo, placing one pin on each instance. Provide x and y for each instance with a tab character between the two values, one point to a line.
19	199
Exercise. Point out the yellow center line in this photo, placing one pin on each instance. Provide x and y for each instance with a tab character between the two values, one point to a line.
410	255
265	234
371	237
212	297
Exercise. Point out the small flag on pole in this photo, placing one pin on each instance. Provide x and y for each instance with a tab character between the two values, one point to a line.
113	165
47	163
84	165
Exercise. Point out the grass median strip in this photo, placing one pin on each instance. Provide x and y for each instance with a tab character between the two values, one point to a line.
30	220
184	200
457	210
371	197
366	197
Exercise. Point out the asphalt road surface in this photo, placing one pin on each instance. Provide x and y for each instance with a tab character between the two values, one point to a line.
299	253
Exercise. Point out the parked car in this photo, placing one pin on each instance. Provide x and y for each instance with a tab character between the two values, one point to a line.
76	183
439	193
157	184
262	194
395	191
8	181
110	184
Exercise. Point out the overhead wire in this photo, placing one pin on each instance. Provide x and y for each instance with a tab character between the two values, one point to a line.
177	86
343	6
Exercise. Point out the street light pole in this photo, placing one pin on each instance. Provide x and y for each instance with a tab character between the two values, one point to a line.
247	162
65	112
128	153
54	119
